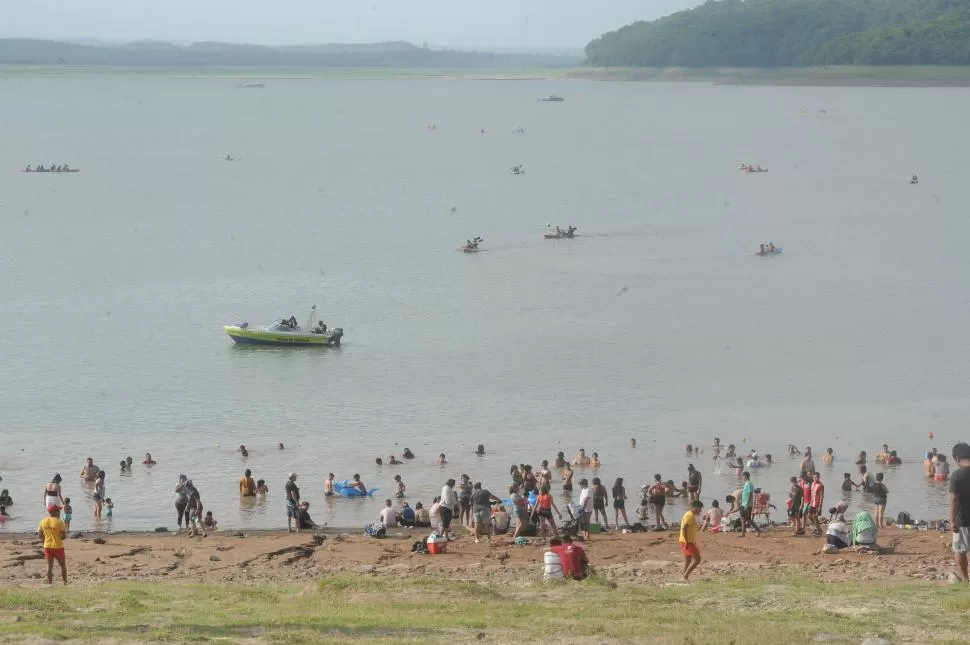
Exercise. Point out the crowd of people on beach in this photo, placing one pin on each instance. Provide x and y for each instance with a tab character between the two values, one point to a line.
531	510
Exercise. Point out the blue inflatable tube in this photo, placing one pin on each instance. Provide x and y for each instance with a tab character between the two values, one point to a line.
344	489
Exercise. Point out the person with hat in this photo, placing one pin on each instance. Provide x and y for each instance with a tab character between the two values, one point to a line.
53	531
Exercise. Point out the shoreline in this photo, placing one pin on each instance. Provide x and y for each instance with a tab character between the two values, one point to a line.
906	555
830	76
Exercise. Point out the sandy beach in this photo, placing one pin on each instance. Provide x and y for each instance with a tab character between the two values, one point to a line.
643	558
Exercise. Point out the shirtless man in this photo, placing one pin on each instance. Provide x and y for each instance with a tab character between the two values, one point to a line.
90	472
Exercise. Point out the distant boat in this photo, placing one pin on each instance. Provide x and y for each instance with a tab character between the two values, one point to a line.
250	86
552	98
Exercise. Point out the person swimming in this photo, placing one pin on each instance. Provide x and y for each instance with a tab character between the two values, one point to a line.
408	454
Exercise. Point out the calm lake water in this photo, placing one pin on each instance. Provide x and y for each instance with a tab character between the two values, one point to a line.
657	323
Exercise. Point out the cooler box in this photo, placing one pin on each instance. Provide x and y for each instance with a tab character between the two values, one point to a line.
595	528
437	545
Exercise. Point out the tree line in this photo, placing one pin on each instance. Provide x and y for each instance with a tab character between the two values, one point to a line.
793	33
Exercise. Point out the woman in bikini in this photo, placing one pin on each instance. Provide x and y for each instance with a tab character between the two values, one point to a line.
52	493
619	502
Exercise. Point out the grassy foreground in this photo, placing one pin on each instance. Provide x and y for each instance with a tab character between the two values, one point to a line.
422	610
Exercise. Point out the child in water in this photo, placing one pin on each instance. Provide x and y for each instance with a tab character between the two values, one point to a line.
68	512
108	507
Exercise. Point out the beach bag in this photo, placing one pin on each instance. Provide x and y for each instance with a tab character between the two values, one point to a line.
419	547
530	529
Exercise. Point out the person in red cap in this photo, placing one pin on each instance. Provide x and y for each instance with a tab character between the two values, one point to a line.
53	532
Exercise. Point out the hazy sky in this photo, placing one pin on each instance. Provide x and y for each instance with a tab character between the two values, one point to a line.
497	23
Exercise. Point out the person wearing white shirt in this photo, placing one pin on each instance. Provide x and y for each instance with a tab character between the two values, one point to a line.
586	506
449	503
389	515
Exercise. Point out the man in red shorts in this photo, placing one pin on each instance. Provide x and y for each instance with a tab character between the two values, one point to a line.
53	532
688	538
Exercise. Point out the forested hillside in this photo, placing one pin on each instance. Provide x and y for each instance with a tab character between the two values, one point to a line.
793	33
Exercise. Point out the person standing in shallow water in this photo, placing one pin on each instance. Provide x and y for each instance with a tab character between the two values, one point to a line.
247	486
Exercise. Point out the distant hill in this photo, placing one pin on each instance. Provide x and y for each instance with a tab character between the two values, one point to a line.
793	33
157	53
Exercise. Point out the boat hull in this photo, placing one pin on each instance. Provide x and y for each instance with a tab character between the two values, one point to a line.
243	336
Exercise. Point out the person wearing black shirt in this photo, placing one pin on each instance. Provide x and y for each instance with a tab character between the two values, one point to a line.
292	503
960	508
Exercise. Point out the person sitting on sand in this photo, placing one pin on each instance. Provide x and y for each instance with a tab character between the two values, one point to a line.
500	519
328	490
712	518
406	515
422	518
306	522
407	454
209	522
838	535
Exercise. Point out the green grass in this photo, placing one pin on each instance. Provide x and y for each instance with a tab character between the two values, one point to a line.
369	609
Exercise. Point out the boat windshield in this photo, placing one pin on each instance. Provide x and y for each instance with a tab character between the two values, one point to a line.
279	325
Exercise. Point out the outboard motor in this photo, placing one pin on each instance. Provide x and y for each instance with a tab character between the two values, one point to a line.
335	335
